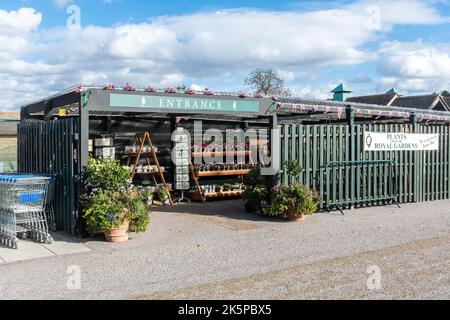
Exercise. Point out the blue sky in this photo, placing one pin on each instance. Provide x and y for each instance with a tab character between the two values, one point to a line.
371	46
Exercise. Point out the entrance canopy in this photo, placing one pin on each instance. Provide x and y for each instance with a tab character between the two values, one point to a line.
97	101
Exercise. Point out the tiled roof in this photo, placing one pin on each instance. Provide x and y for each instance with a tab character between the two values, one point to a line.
426	102
379	99
447	100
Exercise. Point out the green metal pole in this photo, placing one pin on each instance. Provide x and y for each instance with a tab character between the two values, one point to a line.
351	152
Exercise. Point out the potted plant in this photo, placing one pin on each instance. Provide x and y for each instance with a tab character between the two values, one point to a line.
112	205
163	195
295	201
254	198
106	175
139	204
105	212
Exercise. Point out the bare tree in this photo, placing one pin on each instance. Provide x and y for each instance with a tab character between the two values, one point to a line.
267	82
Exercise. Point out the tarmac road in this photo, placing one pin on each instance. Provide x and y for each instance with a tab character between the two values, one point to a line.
218	252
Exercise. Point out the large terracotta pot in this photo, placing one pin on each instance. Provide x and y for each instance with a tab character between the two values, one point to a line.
118	235
293	216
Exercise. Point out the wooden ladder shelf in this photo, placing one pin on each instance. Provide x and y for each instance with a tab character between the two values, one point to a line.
146	150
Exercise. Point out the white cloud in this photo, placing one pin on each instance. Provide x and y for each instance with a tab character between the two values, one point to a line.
15	29
198	47
415	67
287	75
313	92
61	3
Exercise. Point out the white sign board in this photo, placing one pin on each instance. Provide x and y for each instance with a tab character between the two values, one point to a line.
395	141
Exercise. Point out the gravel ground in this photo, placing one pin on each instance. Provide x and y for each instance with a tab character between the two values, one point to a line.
216	251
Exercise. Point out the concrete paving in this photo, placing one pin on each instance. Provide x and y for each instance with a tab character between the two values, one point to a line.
29	250
217	251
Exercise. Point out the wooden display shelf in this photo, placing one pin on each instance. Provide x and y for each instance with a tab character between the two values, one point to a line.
215	195
220	154
223	173
142	141
142	153
153	172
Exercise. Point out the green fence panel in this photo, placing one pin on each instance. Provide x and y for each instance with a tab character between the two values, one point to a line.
420	175
50	147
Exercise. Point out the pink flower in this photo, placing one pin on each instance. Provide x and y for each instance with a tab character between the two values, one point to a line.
151	89
109	86
128	87
190	91
170	89
243	94
208	92
259	95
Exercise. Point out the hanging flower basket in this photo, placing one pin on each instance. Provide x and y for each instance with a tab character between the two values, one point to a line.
109	86
151	89
80	90
171	89
190	91
243	94
259	95
208	92
129	87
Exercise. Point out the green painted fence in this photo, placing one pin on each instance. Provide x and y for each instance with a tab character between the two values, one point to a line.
51	148
419	175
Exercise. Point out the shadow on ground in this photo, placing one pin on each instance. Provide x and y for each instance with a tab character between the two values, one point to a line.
231	209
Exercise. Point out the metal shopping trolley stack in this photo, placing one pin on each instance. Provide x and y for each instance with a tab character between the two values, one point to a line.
23	203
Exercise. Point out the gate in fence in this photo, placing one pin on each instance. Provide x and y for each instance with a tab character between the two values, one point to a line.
337	166
51	147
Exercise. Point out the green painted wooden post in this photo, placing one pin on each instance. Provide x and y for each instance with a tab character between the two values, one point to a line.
322	149
301	148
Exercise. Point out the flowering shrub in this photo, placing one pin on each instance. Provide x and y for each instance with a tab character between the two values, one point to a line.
106	175
296	196
111	200
106	210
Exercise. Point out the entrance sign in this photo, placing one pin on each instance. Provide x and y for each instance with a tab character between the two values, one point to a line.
182	103
399	141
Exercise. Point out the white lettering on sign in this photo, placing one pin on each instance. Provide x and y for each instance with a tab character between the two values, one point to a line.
190	104
390	141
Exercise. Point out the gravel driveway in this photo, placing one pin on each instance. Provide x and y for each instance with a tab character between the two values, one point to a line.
218	252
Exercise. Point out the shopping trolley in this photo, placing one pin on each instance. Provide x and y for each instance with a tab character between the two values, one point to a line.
23	203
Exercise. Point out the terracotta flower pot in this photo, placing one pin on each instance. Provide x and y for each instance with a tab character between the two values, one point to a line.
293	216
118	235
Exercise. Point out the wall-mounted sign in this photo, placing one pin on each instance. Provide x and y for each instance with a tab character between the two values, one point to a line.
395	141
182	103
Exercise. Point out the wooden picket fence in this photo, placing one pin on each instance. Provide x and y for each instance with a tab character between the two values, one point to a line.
419	175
